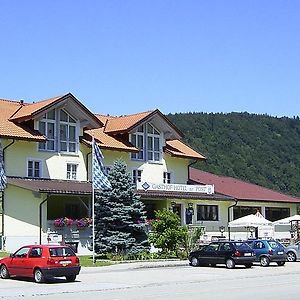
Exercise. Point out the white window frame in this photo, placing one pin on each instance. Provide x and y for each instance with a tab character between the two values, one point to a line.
47	121
151	151
147	150
168	177
44	146
136	176
73	170
33	160
135	139
68	125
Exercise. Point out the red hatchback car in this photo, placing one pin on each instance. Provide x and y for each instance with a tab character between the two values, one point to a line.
41	262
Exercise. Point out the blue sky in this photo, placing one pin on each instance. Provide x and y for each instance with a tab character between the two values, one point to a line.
127	56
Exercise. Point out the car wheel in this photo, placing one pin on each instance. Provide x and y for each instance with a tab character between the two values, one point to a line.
291	256
71	278
38	276
264	261
281	263
195	261
248	266
4	272
230	264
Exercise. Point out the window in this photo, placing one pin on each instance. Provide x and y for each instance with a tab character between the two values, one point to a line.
34	168
167	177
72	171
277	213
67	139
137	140
207	213
153	143
148	140
136	176
67	133
242	211
47	128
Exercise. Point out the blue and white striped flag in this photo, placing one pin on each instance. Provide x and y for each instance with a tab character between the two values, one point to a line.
2	172
100	180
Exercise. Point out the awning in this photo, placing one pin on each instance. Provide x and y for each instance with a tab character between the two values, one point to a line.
52	186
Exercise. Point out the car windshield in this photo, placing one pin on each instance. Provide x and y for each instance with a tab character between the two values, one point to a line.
274	244
61	251
242	246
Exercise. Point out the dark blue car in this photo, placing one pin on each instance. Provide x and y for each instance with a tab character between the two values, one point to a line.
267	251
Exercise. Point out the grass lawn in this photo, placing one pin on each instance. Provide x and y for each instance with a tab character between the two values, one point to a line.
87	261
3	254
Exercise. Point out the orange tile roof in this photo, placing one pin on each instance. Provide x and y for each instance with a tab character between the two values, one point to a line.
28	109
125	123
109	142
179	149
9	129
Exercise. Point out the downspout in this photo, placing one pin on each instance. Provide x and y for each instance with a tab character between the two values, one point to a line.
40	217
189	166
228	216
2	204
87	165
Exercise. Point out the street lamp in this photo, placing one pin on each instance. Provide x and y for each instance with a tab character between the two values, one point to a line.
222	229
251	229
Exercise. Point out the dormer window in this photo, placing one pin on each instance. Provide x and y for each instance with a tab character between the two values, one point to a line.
153	143
67	133
47	127
67	138
148	140
137	140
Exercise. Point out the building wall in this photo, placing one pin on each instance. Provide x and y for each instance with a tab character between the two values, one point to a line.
152	172
54	165
21	217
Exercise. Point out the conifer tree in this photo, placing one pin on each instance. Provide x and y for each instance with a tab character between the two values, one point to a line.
119	215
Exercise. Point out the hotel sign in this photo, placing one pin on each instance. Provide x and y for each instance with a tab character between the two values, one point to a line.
182	188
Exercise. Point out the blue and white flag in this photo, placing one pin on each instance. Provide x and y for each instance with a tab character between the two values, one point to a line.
2	172
100	180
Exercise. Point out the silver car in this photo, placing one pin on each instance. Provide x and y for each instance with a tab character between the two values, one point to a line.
293	251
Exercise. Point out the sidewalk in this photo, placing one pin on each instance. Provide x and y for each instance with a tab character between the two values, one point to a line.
127	265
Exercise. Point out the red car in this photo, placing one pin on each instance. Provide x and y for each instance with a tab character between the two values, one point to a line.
41	262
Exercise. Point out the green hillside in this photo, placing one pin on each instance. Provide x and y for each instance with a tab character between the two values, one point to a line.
256	148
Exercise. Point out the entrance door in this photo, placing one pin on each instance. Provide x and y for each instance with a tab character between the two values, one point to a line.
177	210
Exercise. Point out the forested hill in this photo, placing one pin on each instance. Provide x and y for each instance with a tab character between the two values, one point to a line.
256	148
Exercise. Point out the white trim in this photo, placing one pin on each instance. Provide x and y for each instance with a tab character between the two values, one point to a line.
40	161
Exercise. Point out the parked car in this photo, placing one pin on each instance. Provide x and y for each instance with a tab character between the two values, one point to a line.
41	262
229	253
267	251
292	252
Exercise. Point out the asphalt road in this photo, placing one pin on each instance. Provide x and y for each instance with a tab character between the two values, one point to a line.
169	280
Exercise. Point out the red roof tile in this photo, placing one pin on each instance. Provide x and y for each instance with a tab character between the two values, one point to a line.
239	189
9	129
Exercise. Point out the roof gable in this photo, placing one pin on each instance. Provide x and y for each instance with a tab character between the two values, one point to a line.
126	124
69	102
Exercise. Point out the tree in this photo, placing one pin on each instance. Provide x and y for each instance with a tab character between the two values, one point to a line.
119	216
167	232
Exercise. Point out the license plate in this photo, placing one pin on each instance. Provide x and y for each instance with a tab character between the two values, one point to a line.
65	262
280	252
247	254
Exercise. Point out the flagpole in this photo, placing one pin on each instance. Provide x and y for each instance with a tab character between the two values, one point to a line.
93	202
